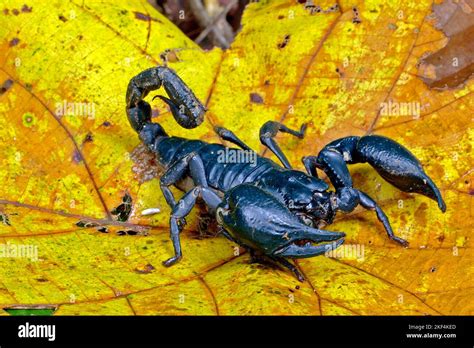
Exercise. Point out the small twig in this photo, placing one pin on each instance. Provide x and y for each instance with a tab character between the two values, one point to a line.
216	19
209	23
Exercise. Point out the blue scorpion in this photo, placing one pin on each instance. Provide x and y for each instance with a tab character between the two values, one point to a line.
276	212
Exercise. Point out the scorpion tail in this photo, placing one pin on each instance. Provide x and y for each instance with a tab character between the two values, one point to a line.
140	120
139	116
187	110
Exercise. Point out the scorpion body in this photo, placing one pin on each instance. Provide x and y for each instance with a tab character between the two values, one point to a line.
274	211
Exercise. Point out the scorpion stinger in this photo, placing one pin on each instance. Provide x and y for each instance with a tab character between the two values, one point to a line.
392	161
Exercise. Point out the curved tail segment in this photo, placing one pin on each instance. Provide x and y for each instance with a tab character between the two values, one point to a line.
187	110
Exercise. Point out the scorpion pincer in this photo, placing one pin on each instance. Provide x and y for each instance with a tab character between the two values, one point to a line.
274	211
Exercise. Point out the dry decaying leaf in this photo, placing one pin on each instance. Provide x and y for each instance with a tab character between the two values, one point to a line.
66	144
453	64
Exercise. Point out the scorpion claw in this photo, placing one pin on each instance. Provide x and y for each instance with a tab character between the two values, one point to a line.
391	160
251	214
295	251
399	167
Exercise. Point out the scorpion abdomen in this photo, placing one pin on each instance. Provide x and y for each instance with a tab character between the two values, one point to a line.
222	172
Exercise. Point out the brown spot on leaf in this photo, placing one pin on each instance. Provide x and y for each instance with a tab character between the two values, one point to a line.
285	42
76	156
148	268
15	12
392	26
86	224
312	8
123	210
62	18
356	18
452	65
421	214
4	219
6	86
256	98
169	56
14	42
88	138
26	9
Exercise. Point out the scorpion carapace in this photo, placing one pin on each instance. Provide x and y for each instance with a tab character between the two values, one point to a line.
274	211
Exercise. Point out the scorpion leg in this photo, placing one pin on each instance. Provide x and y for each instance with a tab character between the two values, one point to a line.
368	203
269	130
284	262
181	210
256	257
228	135
260	258
177	171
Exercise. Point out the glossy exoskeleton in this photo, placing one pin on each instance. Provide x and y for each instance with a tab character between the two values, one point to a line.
274	211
